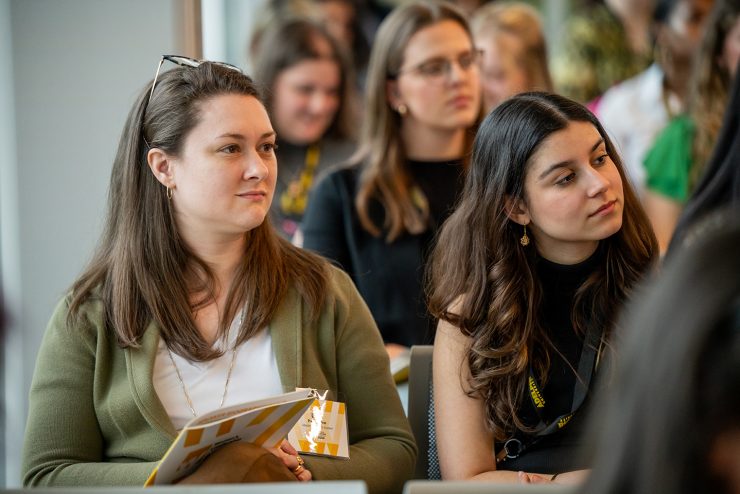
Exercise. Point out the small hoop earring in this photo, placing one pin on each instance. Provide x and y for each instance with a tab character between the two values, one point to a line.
169	194
402	109
525	239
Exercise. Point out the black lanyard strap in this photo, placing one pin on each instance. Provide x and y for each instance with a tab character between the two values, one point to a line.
516	445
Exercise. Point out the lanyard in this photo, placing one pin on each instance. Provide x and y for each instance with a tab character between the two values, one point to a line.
516	445
293	200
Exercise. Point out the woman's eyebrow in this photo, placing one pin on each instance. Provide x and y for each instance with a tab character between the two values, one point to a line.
553	167
565	163
236	135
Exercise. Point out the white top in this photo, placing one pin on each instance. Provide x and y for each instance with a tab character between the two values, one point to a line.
254	375
633	114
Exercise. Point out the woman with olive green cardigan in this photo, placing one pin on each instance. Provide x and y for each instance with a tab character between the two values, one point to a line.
95	418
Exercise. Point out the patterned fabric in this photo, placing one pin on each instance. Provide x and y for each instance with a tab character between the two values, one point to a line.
433	470
593	55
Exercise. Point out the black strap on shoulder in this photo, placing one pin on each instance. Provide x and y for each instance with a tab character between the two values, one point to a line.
520	442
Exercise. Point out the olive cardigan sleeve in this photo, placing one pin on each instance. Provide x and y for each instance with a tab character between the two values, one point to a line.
64	443
382	448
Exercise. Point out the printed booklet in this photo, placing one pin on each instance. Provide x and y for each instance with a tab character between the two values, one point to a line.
263	422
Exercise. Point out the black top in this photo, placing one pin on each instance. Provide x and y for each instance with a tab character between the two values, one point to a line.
286	212
560	451
389	276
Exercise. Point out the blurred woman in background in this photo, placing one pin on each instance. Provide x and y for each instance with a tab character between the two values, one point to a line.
513	51
635	111
377	217
719	187
309	92
677	159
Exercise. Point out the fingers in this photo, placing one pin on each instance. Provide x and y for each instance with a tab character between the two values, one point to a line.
538	479
288	448
532	478
291	459
300	471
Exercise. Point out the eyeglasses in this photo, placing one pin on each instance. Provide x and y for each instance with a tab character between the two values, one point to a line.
440	68
185	62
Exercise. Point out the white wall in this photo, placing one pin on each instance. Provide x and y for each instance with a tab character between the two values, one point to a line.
227	29
69	71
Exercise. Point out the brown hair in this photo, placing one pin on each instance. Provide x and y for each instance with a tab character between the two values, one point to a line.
479	268
141	265
285	43
381	152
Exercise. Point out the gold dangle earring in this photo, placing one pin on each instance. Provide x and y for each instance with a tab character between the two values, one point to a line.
525	239
169	194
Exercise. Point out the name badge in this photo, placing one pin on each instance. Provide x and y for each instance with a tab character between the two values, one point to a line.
322	430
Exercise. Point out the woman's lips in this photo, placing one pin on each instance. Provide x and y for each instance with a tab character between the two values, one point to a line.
605	209
254	195
461	101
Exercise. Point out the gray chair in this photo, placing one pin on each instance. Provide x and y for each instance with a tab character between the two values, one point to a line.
421	412
477	487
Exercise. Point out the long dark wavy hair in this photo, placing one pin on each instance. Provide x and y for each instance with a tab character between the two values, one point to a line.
142	269
482	280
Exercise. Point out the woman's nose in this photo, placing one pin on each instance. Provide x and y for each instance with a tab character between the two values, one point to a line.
598	182
255	168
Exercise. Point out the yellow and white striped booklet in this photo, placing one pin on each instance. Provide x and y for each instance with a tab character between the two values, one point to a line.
263	422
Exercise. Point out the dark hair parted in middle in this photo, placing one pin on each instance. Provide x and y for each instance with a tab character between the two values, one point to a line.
484	283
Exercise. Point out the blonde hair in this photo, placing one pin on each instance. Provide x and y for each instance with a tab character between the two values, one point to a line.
523	22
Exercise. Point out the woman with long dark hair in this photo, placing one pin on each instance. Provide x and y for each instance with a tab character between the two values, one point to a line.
527	277
192	302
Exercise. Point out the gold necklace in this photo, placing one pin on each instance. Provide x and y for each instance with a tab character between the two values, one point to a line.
228	374
184	388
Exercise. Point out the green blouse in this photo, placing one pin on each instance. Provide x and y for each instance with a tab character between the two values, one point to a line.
668	163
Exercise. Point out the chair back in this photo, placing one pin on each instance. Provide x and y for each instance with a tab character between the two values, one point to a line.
421	412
